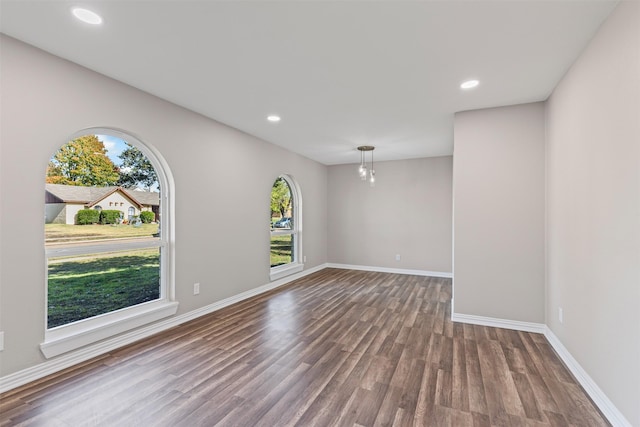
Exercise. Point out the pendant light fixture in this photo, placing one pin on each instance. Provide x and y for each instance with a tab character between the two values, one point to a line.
366	173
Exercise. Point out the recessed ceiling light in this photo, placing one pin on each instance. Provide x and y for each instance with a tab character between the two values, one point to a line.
273	118
87	16
469	84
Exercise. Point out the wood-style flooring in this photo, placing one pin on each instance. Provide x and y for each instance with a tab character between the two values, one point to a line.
335	348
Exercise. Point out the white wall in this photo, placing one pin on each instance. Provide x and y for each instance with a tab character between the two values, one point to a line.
593	213
498	197
408	212
55	213
71	211
222	210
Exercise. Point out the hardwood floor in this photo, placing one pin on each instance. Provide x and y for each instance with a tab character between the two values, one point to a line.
336	348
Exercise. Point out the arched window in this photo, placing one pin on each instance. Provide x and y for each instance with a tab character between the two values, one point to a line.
105	276
286	228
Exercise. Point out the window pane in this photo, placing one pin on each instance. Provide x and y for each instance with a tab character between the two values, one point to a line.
281	249
85	286
281	205
100	180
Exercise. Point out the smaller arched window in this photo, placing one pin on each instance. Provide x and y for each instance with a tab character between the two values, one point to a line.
286	228
97	207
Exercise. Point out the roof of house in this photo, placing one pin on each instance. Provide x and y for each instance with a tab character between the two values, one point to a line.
150	198
92	195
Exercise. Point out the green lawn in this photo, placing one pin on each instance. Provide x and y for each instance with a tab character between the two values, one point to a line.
281	250
83	287
70	233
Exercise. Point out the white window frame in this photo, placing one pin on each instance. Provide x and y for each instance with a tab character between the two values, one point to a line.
64	338
296	265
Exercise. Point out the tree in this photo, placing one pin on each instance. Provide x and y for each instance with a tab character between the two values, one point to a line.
280	197
136	169
84	162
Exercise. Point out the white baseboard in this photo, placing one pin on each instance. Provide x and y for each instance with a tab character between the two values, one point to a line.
601	400
613	415
52	366
538	328
391	270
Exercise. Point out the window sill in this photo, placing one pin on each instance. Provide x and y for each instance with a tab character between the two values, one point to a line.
84	332
285	270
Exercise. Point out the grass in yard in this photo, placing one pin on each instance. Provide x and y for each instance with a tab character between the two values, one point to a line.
83	287
70	233
281	250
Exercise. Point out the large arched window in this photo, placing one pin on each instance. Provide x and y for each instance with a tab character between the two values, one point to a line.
106	274
286	228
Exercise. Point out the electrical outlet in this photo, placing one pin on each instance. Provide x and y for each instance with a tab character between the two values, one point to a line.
560	315
397	257
304	258
196	288
1	341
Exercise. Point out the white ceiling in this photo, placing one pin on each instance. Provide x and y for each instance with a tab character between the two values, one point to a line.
340	73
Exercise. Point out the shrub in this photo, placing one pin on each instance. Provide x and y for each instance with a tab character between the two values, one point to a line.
110	216
87	216
147	217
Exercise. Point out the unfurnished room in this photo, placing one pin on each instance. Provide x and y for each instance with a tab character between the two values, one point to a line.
320	213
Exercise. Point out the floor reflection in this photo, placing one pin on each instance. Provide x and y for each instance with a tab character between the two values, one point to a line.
283	316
